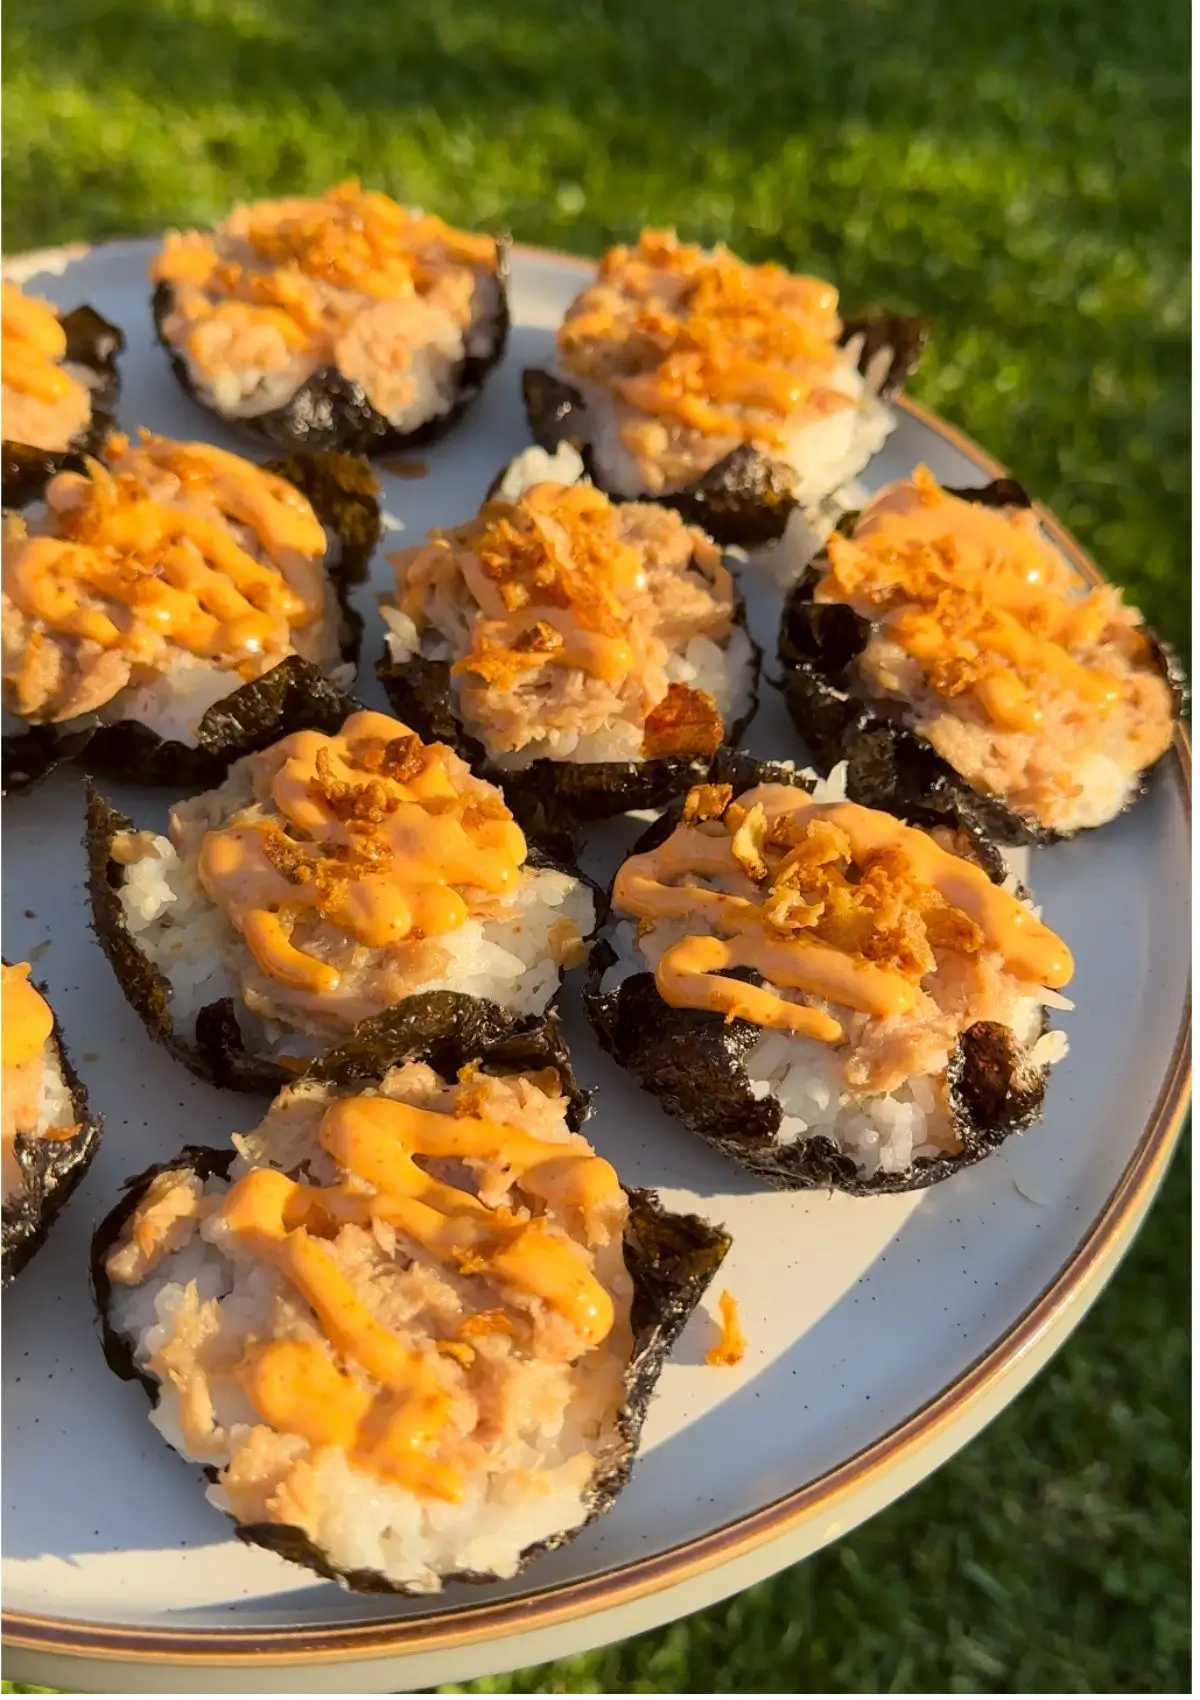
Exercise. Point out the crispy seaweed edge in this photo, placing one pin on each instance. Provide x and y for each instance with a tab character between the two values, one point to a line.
554	799
216	1053
748	497
671	1259
94	343
888	764
693	1060
52	1168
329	411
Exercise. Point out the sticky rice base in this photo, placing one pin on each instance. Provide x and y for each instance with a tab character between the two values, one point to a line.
882	1132
724	671
536	1483
507	958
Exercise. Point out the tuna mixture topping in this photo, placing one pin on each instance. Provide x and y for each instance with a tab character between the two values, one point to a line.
27	1028
349	871
391	297
1035	689
862	933
440	1303
571	618
43	404
700	353
160	555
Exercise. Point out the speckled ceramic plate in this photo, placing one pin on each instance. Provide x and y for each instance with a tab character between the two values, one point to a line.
882	1332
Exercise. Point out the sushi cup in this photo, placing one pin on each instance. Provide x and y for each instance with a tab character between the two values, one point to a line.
88	363
248	939
50	1135
841	1095
185	719
745	465
1020	788
420	320
508	1417
711	686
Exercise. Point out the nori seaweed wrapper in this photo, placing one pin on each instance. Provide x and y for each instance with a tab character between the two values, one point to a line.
331	411
553	799
694	1060
671	1259
748	497
216	1050
890	766
27	757
52	1168
94	344
344	495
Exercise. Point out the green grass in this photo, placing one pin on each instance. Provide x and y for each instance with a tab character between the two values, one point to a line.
1021	176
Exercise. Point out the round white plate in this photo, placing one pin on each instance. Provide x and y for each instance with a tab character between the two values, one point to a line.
882	1332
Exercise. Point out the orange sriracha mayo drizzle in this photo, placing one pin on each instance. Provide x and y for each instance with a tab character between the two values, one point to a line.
977	596
689	973
296	251
33	345
754	337
551	577
387	848
124	570
730	1347
295	1386
25	1019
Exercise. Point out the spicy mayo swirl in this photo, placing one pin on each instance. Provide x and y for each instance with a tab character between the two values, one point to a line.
44	404
794	912
368	830
149	548
389	1405
705	341
978	597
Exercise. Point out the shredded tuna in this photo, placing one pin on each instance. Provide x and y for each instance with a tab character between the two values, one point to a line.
700	352
564	610
1036	689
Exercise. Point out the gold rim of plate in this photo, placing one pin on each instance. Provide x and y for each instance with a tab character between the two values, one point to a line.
627	1583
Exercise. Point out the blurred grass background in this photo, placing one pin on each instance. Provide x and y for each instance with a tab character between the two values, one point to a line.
1022	177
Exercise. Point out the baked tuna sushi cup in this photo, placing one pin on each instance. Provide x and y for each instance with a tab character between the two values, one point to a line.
829	996
329	878
336	321
50	1136
410	1326
733	393
944	648
59	392
590	655
171	606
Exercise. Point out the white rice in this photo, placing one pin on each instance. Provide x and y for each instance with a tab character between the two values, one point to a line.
56	1107
535	1482
883	1133
508	959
